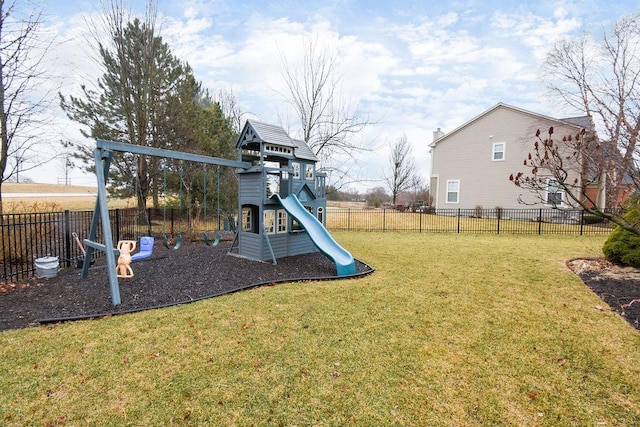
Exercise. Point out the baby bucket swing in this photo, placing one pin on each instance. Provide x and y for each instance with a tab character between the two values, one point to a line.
146	242
165	236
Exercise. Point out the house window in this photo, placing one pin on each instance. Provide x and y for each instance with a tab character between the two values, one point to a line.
498	151
554	193
282	221
453	190
270	221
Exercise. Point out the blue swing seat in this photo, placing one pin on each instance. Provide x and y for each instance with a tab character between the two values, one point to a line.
146	248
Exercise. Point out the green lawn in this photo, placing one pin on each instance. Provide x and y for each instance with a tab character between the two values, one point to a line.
457	330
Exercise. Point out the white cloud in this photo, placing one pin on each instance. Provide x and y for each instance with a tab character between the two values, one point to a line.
408	66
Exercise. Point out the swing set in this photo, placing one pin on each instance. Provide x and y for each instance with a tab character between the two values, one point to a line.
103	155
205	236
165	237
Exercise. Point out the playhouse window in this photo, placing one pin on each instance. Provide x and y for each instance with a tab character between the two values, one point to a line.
249	213
321	215
296	170
273	184
295	225
309	172
270	221
282	221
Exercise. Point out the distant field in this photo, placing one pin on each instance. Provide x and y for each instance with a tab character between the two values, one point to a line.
11	187
346	205
57	201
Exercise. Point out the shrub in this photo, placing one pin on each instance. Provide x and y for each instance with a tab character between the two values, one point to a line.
622	246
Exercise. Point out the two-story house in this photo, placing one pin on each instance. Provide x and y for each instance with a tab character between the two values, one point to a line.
471	165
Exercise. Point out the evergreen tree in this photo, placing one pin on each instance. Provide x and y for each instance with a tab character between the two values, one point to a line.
134	102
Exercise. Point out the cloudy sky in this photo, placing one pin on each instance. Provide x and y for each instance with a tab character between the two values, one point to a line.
410	66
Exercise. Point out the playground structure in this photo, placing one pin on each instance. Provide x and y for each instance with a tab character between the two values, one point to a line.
281	200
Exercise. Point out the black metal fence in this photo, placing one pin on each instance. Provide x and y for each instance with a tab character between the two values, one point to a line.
498	221
29	236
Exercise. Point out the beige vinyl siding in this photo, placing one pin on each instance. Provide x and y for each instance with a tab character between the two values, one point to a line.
467	156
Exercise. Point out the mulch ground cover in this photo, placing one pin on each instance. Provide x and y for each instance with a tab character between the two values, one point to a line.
617	286
195	271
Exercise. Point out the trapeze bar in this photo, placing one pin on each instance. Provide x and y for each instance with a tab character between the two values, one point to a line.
170	154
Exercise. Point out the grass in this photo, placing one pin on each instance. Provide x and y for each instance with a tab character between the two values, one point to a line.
450	330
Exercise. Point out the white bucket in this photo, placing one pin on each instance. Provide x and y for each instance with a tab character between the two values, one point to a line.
47	266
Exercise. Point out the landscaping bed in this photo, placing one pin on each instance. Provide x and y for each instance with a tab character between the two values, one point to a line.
617	286
169	277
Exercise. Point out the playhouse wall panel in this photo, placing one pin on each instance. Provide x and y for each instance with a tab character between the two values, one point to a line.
250	188
279	244
300	243
249	245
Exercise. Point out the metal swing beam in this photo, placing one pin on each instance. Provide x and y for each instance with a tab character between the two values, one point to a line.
102	157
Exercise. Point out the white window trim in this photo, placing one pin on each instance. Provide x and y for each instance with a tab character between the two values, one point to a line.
446	193
309	172
547	192
247	220
282	221
504	152
270	215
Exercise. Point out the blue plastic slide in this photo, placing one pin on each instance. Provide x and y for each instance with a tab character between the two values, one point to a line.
345	264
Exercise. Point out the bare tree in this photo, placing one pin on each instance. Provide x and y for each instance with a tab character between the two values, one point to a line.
402	175
21	103
558	175
231	109
329	123
376	197
601	78
65	164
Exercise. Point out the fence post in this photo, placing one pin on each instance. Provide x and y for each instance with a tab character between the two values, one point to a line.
117	225
540	221
149	222
458	220
581	221
67	238
499	214
384	220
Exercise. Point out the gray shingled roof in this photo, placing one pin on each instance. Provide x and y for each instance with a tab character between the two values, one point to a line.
272	134
582	121
303	151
